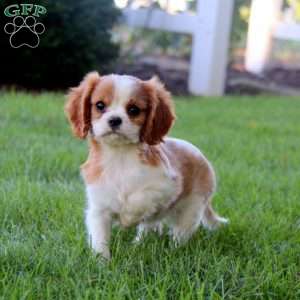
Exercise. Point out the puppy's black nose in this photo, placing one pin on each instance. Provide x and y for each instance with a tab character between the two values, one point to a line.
114	122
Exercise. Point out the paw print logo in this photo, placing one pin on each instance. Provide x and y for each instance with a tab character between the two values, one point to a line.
24	32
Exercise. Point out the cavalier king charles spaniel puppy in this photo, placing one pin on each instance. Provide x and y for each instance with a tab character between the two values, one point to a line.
134	173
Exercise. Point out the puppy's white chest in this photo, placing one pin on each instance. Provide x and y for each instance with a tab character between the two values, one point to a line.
128	185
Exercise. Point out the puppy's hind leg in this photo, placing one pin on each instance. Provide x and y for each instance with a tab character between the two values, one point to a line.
186	218
210	219
189	214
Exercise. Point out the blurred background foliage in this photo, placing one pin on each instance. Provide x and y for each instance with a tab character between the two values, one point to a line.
82	35
77	39
143	41
295	6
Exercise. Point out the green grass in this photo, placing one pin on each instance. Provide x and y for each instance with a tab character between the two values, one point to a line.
254	144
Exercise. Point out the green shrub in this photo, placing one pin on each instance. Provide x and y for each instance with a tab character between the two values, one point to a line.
76	40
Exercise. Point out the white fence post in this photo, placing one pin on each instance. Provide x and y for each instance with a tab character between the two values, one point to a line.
263	20
210	47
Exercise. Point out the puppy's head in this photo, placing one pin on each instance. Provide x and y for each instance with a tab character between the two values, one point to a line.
119	109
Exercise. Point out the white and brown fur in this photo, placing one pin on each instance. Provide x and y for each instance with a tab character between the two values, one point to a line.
134	173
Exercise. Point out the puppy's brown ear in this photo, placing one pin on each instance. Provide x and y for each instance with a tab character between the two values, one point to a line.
78	105
160	114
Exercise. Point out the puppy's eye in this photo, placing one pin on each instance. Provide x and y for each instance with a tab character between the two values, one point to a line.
100	105
133	110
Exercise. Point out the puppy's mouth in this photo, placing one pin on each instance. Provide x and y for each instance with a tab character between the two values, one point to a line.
115	137
114	133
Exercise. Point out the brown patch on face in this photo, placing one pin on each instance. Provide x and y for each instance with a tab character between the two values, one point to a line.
160	113
139	99
78	105
91	169
150	155
104	92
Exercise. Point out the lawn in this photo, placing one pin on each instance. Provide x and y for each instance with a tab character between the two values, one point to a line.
254	144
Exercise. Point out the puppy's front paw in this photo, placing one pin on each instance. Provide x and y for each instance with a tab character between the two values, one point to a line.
102	250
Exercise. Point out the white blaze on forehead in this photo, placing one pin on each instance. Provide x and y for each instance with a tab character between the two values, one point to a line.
124	85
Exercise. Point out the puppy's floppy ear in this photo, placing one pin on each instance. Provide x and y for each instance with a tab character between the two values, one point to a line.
160	114
78	105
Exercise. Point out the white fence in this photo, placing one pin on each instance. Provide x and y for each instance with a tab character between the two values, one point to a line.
210	27
265	25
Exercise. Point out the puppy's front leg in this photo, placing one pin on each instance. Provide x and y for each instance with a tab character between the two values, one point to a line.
99	229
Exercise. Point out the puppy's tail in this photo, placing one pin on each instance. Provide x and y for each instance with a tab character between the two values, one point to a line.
211	219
